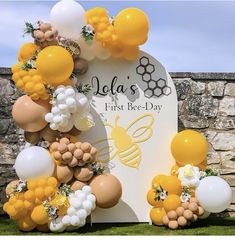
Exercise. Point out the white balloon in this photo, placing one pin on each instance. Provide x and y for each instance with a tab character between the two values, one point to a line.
66	220
62	106
61	97
71	211
91	198
57	225
68	17
53	126
87	205
59	89
80	195
87	190
49	117
76	203
214	194
66	128
82	214
70	101
34	162
55	110
69	92
75	221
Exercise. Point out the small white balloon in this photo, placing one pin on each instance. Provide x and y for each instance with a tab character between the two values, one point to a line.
49	117
59	89
69	92
76	203
55	110
57	225
61	97
91	198
87	205
57	119
87	189
70	101
62	106
53	126
34	162
80	195
66	220
68	127
82	214
75	221
214	194
71	211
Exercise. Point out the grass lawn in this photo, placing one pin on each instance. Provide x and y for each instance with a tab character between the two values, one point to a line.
210	226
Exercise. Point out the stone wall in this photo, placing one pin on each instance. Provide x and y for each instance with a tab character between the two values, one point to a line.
206	103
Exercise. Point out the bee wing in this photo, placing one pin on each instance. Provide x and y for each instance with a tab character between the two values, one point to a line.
106	150
141	128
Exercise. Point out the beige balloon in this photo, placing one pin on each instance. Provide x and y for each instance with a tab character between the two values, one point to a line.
29	115
107	190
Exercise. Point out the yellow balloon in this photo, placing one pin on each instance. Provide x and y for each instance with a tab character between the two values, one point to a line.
189	147
39	215
171	202
131	26
55	64
26	224
27	51
157	214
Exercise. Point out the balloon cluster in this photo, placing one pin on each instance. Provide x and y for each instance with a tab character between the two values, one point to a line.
73	154
192	191
81	202
69	108
122	35
184	215
30	82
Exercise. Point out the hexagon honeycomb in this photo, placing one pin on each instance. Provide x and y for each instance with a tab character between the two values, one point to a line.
155	88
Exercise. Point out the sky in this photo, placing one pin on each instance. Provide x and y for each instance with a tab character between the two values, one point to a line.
196	36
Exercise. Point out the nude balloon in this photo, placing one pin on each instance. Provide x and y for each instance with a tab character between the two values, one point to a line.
29	115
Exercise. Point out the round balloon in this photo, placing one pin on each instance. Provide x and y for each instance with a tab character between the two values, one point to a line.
68	17
214	194
107	190
189	147
55	64
33	162
29	115
131	26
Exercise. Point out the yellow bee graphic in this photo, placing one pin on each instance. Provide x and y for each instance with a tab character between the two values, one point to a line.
125	141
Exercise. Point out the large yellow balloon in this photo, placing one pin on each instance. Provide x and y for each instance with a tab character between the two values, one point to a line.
55	64
131	26
189	147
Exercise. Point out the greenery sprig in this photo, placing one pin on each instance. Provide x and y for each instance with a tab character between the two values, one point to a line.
65	189
97	168
88	33
29	28
84	88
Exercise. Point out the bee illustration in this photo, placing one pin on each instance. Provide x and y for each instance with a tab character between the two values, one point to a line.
125	141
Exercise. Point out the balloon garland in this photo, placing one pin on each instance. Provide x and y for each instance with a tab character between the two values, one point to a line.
192	191
60	181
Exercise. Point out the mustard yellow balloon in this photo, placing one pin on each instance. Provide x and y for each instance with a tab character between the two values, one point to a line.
189	147
131	26
55	64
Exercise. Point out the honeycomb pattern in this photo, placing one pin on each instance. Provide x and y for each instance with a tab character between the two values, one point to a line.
155	88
